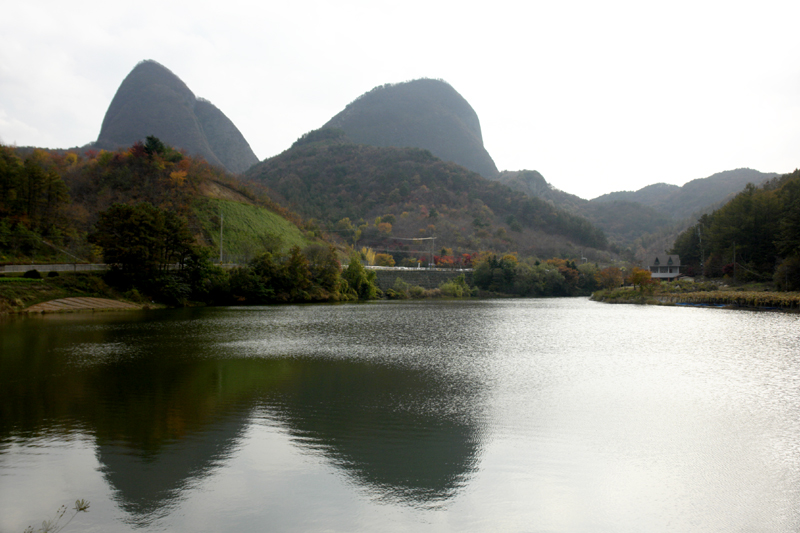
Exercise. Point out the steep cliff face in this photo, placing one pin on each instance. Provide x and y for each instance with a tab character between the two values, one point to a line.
153	101
224	138
428	114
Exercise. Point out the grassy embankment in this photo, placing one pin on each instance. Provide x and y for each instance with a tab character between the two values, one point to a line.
756	296
18	293
247	230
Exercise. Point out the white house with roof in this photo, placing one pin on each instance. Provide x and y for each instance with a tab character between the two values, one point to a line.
665	267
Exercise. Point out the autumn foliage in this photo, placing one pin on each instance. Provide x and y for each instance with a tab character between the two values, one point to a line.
51	200
641	278
610	278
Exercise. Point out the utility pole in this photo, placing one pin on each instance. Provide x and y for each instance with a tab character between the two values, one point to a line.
702	252
221	219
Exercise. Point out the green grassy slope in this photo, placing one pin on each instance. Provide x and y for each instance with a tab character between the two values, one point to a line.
247	229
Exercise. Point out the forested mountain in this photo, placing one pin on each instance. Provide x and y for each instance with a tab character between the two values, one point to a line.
409	192
51	200
154	101
626	222
758	231
424	113
532	183
650	195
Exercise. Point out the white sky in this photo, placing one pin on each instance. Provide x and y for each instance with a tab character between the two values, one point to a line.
597	96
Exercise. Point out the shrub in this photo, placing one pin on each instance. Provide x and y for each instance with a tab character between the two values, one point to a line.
32	274
392	294
455	288
417	292
399	291
360	280
134	296
385	260
787	275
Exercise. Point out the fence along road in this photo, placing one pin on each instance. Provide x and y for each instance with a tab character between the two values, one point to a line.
59	267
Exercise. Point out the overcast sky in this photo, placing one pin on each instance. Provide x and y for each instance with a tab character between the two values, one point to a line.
597	96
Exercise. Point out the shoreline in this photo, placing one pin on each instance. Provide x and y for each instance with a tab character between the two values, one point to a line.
719	299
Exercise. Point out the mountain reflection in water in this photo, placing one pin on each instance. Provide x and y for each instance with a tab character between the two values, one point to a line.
167	410
393	430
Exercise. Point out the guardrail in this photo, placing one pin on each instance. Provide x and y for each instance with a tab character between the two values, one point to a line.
417	269
59	267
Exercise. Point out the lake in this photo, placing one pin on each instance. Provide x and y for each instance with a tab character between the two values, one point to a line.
544	415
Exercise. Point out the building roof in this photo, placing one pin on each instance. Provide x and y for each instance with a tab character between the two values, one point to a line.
665	260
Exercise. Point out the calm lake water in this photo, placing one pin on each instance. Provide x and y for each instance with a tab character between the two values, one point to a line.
549	415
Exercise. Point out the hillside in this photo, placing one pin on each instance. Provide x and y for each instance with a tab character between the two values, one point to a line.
532	183
424	113
649	195
247	229
625	222
753	237
153	101
378	194
51	200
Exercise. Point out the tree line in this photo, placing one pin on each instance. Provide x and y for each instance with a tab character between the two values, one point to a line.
755	236
151	251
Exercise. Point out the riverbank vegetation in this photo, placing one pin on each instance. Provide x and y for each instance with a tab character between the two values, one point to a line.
310	275
750	247
151	264
754	237
530	277
709	293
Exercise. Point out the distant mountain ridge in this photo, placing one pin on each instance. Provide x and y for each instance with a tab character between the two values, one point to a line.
642	219
153	101
648	195
424	113
694	196
622	220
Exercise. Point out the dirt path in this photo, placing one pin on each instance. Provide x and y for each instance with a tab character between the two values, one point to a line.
80	304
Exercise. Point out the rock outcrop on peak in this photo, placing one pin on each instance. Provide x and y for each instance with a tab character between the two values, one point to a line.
424	113
153	101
